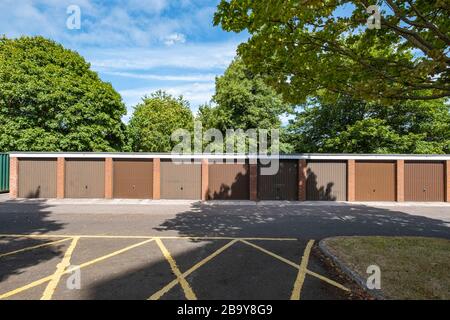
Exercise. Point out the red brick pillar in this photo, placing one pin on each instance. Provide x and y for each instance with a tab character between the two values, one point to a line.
254	182
108	178
351	167
447	179
302	180
156	179
205	178
60	178
400	180
13	177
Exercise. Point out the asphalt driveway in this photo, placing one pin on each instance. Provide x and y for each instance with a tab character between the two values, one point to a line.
179	250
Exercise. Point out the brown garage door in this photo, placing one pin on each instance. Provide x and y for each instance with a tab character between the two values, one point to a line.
424	181
281	186
37	178
228	182
133	179
180	181
375	181
85	178
326	181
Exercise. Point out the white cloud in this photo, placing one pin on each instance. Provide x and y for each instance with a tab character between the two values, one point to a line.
199	56
147	6
196	93
284	118
43	17
174	38
148	76
111	23
141	42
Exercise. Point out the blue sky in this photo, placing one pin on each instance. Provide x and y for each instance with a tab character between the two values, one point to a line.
138	45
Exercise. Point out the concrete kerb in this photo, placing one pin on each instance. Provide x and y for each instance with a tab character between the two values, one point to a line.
349	272
5	197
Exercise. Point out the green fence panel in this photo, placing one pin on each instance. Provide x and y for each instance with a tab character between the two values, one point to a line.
4	172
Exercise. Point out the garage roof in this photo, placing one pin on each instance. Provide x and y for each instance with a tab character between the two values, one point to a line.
311	156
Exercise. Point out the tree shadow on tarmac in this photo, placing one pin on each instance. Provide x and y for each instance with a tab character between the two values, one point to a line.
282	220
303	222
24	218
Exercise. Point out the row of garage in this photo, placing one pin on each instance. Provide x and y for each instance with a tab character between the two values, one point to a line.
134	178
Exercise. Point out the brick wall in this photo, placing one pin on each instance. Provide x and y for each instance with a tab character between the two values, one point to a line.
13	177
253	182
302	180
60	178
156	179
351	167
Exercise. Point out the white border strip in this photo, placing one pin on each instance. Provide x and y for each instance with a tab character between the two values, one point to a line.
231	156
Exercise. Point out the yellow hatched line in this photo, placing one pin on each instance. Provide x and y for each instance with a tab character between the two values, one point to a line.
298	284
329	281
157	295
173	283
292	264
86	264
33	247
71	236
110	255
229	238
60	268
188	292
140	237
289	262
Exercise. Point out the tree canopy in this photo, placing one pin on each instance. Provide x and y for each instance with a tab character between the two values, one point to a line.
242	101
358	127
312	48
155	119
50	100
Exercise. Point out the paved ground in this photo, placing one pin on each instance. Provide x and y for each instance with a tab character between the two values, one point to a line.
188	250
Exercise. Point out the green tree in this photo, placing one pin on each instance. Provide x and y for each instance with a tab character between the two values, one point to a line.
155	119
311	48
50	100
243	101
359	127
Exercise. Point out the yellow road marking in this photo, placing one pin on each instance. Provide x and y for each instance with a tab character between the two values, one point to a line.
173	283
228	238
110	255
86	264
24	288
140	237
189	293
33	247
71	236
60	268
329	281
298	284
289	262
292	264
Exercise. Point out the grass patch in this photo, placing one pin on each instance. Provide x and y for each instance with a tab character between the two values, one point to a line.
411	267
